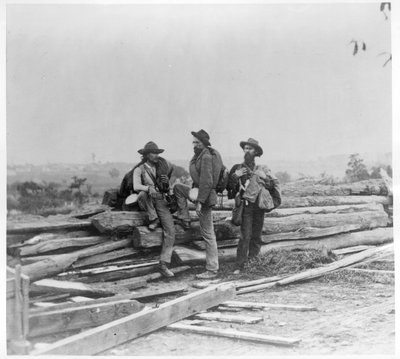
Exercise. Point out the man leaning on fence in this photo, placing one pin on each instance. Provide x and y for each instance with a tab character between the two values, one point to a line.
151	182
256	191
205	168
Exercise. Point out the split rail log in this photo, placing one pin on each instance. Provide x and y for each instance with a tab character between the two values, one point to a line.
106	336
277	228
59	263
54	244
255	305
345	262
371	237
83	316
230	318
367	187
48	224
234	334
73	288
104	257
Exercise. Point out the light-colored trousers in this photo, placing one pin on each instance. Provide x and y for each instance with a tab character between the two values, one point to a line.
181	192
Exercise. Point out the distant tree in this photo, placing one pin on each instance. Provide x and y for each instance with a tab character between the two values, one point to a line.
357	170
283	177
77	183
375	171
114	173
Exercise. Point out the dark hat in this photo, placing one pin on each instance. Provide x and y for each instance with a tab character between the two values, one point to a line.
150	147
203	136
254	143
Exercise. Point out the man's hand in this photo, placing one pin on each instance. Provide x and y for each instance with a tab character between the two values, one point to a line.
198	209
241	172
164	178
152	190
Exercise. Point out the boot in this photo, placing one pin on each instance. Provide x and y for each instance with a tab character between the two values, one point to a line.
154	224
163	269
207	275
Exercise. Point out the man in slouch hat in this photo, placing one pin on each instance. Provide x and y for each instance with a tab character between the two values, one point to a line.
151	182
205	168
257	189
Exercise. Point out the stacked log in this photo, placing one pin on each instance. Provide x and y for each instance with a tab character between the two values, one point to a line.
102	245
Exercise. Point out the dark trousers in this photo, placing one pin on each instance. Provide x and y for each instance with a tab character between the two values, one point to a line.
251	229
157	207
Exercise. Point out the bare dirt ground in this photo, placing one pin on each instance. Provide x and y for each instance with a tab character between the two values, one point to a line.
355	315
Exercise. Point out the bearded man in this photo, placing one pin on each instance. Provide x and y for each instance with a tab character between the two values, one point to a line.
246	182
151	182
205	168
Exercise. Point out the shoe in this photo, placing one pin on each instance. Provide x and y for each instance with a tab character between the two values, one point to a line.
162	267
154	224
207	275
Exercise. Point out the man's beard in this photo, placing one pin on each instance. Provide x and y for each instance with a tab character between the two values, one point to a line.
197	151
249	158
153	161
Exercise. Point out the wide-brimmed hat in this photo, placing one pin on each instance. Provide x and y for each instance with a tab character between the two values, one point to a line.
203	136
254	143
150	147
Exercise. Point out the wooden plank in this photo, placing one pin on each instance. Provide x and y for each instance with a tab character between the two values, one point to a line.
51	245
219	317
371	271
47	225
255	305
154	276
85	316
234	334
256	288
62	286
49	298
99	339
368	187
377	236
220	244
104	257
349	250
351	259
59	263
240	285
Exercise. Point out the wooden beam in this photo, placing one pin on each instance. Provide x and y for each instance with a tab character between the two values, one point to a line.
371	271
63	286
255	305
47	225
234	334
84	316
220	244
219	317
54	244
240	285
318	272
256	288
101	338
104	257
348	250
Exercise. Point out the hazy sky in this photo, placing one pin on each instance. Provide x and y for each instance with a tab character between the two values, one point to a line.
106	79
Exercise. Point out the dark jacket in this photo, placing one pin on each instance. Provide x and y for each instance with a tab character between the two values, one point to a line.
205	174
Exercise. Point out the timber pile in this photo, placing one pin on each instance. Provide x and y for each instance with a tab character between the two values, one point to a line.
99	255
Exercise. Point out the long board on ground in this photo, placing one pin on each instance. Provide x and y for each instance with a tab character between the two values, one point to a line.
83	316
106	336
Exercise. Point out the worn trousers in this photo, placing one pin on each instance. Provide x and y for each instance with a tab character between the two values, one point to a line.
251	229
156	207
181	192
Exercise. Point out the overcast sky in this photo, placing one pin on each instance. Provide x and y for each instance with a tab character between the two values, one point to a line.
106	79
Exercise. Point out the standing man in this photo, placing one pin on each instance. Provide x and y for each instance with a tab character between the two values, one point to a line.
151	182
205	168
246	181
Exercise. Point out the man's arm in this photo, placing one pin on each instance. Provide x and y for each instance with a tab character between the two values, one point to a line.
137	181
206	178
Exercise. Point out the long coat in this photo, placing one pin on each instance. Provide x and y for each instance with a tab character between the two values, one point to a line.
205	173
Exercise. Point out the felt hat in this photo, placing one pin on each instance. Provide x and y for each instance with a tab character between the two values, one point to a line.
202	136
150	147
254	143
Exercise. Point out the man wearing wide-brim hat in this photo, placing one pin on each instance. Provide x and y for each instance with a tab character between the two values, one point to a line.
151	183
256	189
205	168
